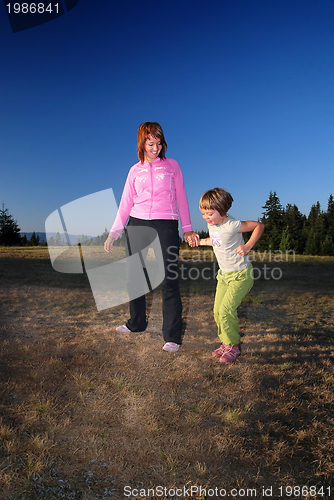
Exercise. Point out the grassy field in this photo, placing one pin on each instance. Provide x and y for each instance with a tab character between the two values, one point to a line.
87	413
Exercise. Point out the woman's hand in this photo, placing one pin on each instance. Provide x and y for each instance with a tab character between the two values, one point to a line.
109	244
191	238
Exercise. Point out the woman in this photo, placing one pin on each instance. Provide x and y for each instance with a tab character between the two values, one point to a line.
153	196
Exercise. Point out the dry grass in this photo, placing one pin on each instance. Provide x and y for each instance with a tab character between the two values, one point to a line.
86	411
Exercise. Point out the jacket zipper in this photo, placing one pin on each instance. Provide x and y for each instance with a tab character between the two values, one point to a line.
150	212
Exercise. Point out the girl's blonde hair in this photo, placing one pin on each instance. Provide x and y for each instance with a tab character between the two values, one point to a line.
216	199
144	131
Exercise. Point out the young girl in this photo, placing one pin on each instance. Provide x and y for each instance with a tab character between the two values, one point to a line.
235	276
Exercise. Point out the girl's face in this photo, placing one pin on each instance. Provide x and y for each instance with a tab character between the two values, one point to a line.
152	148
212	217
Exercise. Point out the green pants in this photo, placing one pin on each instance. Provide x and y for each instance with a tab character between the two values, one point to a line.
231	289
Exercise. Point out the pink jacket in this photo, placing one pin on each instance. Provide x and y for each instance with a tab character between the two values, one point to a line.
153	192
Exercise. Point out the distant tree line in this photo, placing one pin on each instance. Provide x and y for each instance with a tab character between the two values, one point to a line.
34	241
287	229
59	240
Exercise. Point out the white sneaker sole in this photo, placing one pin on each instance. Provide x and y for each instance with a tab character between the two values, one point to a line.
122	329
170	348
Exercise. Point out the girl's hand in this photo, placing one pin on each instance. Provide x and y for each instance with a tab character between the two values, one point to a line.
109	244
257	229
242	250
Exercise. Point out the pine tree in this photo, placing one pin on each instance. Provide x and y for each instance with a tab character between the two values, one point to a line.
294	220
314	214
104	236
273	220
316	231
119	242
9	229
34	239
330	208
286	243
327	247
58	241
311	247
330	218
83	240
203	234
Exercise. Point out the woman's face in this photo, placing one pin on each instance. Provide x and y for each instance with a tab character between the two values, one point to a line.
152	148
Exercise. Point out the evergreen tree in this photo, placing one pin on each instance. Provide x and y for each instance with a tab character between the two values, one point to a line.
83	240
286	243
58	241
316	231
104	236
203	234
329	217
273	220
314	214
311	247
34	239
9	229
294	220
327	247
330	209
119	242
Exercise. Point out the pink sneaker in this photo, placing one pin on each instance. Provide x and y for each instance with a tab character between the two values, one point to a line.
231	352
171	347
123	329
218	352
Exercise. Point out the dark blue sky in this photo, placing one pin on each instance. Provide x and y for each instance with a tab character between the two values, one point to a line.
244	90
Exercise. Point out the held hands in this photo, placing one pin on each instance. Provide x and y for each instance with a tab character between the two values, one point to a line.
109	244
192	238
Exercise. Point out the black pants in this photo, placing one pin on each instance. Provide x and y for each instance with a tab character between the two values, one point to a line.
139	235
